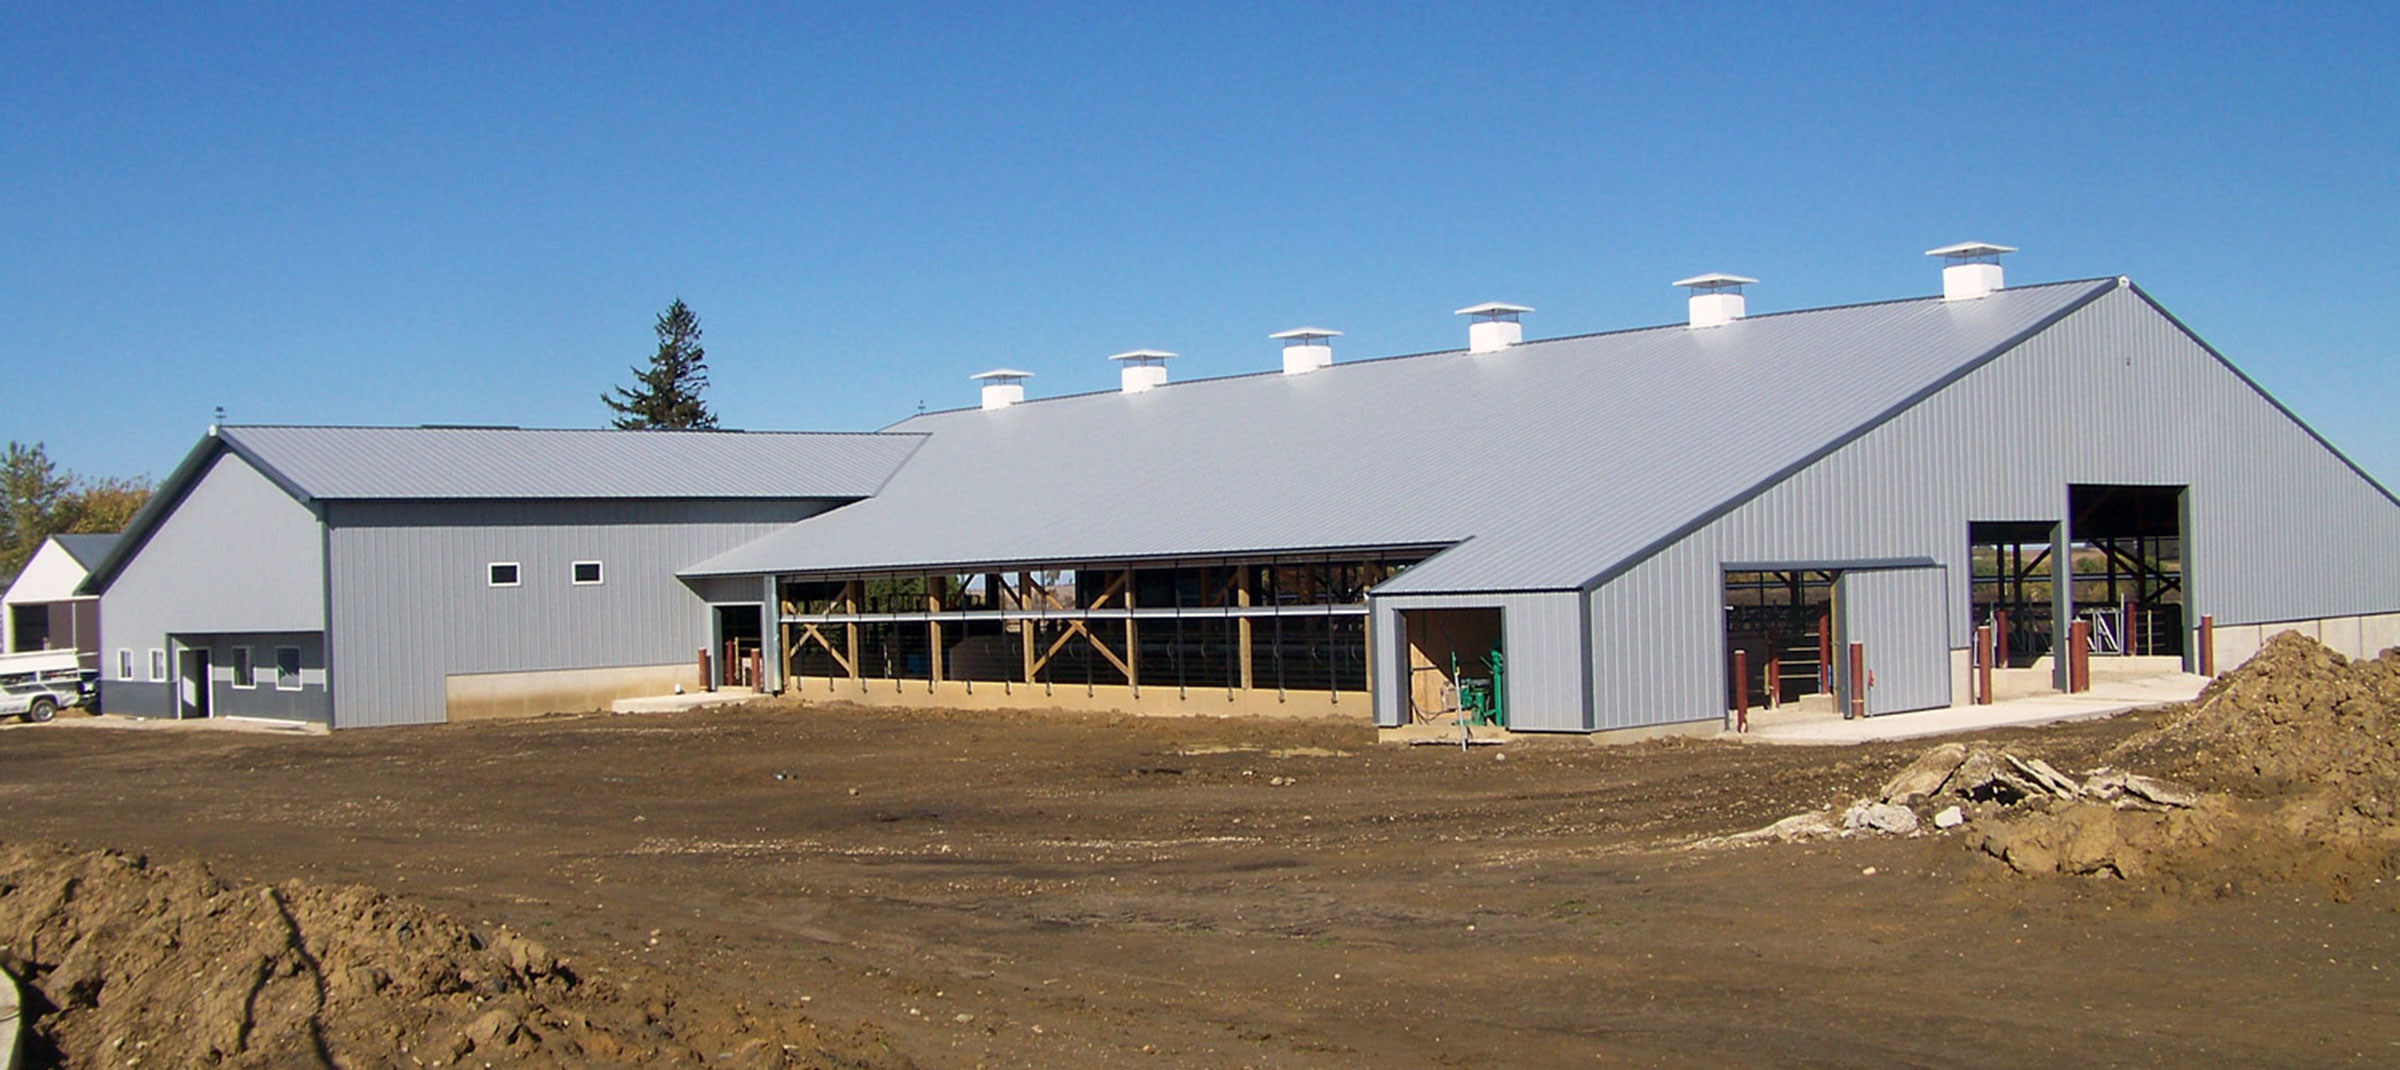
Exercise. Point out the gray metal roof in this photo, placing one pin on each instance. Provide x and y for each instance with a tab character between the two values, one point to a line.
1548	463
87	550
493	463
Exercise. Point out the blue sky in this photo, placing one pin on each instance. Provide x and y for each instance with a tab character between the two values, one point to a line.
400	214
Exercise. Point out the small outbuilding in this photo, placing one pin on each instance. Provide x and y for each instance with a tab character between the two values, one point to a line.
353	576
42	609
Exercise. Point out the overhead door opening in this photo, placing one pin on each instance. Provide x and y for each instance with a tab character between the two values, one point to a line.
1457	666
1778	636
2127	567
2010	589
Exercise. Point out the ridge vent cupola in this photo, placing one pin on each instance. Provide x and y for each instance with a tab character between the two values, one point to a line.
1002	387
1970	269
1493	326
1142	369
1716	298
1306	349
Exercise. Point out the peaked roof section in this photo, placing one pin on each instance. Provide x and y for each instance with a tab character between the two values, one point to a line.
454	463
87	550
315	464
1548	463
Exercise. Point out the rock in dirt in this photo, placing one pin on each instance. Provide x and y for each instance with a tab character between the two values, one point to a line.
1864	815
1924	777
2133	790
1949	817
2043	776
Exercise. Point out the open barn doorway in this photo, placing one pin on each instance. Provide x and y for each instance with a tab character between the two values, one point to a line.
2126	564
1778	636
1457	666
740	633
2011	564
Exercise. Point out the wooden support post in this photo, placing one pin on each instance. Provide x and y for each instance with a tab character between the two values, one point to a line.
1241	627
1825	673
1858	681
1025	625
1133	639
1983	665
758	678
2208	644
850	631
1741	690
1774	678
934	586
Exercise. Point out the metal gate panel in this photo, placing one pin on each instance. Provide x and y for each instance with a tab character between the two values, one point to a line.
1902	617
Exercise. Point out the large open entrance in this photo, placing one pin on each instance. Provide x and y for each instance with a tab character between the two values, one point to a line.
739	632
1778	636
1457	665
2010	587
2126	564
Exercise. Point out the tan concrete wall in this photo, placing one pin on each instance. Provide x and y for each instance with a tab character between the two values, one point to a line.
1099	698
2353	637
490	696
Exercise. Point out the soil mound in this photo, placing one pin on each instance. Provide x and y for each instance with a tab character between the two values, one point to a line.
2297	722
126	963
2297	755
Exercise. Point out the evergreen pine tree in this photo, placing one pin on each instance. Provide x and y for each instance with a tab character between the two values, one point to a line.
667	396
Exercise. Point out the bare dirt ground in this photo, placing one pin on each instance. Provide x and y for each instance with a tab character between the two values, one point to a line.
888	889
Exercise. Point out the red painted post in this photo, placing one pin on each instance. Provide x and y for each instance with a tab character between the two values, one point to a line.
1858	681
2079	655
2208	645
708	680
1741	690
1775	679
2132	627
757	680
1983	665
2000	637
1825	651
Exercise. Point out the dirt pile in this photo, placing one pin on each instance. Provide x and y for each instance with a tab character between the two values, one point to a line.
126	963
2299	723
2297	753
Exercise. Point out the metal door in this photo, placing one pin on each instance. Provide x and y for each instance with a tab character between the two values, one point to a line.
1901	616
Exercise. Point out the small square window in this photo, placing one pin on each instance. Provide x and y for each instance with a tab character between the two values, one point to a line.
587	573
124	663
503	573
245	673
158	665
287	668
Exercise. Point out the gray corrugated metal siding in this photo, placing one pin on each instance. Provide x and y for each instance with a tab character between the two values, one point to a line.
412	601
2281	528
1542	637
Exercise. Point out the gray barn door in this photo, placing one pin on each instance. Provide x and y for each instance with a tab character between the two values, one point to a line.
1902	616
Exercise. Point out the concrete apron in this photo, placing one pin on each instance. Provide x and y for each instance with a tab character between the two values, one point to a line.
690	700
2107	698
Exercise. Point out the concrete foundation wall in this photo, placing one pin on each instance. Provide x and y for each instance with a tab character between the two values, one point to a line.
2351	637
1145	701
497	695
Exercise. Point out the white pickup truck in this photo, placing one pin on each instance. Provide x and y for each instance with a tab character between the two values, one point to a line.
35	685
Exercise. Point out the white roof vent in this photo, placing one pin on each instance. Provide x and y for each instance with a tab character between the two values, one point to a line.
1716	298
1494	327
1142	369
1306	349
1970	269
1002	387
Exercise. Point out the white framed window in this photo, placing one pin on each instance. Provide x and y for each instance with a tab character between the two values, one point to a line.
287	668
245	667
502	574
158	665
124	663
585	574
